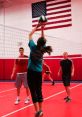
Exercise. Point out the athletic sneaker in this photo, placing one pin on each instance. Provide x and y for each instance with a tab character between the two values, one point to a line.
17	101
27	100
39	113
68	99
53	82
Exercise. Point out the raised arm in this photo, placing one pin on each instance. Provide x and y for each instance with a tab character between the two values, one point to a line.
42	29
33	31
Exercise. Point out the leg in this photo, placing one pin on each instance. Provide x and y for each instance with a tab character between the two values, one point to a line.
31	78
67	90
35	85
18	92
68	99
40	105
18	86
39	90
66	82
27	92
49	76
36	107
18	83
39	94
18	98
43	76
25	83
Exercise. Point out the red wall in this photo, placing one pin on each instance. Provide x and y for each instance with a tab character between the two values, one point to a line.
1	68
6	66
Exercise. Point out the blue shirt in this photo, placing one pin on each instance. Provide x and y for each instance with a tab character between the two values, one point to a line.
35	67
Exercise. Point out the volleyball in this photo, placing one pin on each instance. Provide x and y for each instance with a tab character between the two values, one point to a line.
42	19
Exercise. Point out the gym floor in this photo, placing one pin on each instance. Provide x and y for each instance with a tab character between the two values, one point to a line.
54	104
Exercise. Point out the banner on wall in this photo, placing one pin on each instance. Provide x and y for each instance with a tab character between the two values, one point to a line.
58	13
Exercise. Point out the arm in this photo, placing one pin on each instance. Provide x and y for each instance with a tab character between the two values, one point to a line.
42	29
13	71
47	67
32	32
60	70
72	73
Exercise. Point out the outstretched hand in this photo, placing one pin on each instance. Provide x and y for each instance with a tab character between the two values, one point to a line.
42	24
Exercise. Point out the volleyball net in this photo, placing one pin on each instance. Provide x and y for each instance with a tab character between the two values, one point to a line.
12	38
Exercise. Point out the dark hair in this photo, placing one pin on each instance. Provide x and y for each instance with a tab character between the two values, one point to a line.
41	42
21	48
41	45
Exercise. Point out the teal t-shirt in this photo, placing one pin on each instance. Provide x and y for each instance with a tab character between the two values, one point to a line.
31	65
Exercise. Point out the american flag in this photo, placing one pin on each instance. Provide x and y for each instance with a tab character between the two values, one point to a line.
58	13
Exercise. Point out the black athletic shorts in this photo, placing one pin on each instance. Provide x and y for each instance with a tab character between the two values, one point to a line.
66	80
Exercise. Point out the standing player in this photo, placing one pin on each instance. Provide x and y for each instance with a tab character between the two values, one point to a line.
20	68
67	69
34	74
47	72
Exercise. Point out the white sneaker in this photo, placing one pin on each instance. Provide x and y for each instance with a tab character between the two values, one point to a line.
27	100
17	101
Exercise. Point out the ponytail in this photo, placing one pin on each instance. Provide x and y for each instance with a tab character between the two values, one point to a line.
41	46
46	49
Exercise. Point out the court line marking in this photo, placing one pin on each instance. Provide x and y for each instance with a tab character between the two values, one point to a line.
44	99
15	89
8	90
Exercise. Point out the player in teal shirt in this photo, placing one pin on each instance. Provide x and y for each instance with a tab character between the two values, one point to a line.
37	65
34	73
